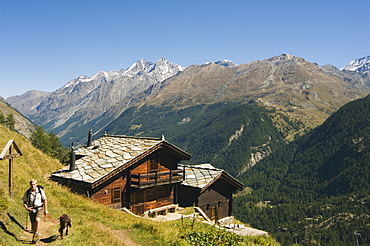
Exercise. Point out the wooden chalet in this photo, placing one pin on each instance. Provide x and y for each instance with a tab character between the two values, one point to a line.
209	188
138	173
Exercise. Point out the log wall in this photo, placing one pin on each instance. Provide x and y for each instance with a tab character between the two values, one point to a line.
105	194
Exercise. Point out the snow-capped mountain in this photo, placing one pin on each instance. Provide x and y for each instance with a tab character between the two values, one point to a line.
85	98
160	70
225	63
85	79
360	65
99	100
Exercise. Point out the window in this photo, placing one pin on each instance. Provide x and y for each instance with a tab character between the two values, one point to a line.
116	195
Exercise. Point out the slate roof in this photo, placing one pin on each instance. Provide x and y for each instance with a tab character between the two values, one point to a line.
203	175
108	154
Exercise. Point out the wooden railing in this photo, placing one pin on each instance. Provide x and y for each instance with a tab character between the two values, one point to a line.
156	178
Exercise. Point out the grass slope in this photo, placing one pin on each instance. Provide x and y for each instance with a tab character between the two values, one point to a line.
92	224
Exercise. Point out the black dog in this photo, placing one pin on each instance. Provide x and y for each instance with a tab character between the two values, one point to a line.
65	222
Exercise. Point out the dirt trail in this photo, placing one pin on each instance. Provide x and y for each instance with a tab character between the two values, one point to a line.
120	235
49	233
123	237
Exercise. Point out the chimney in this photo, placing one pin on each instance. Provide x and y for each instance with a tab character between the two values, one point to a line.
72	160
89	139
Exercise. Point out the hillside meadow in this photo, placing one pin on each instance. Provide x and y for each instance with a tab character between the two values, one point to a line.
92	224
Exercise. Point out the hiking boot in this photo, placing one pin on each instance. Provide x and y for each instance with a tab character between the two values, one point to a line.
35	237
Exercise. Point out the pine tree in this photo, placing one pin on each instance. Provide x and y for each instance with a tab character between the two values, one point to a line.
56	148
10	122
49	144
2	118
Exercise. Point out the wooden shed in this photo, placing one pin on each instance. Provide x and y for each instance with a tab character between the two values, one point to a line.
120	171
209	188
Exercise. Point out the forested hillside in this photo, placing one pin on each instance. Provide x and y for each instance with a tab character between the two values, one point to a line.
225	134
317	188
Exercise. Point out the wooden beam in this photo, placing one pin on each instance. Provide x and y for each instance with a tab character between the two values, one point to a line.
10	177
11	143
6	148
3	156
11	156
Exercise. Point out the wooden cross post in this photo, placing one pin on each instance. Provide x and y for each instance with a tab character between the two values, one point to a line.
3	156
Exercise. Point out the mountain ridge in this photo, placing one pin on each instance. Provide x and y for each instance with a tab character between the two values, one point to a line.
86	96
297	88
286	82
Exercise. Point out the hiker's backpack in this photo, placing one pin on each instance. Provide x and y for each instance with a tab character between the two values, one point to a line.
38	190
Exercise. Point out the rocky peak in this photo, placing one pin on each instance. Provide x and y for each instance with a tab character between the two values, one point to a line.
138	67
225	63
281	58
162	68
165	67
360	65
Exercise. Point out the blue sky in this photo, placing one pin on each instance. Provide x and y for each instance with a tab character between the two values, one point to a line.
45	44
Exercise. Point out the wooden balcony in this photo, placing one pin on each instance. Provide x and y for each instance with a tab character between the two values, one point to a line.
157	178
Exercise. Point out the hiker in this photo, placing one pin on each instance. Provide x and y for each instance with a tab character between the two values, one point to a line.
34	201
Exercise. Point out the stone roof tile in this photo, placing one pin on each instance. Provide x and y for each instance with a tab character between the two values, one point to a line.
200	175
107	154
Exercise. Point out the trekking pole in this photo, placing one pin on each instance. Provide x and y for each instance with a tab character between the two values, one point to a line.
26	220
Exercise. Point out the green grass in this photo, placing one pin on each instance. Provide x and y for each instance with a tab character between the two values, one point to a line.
187	211
92	223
